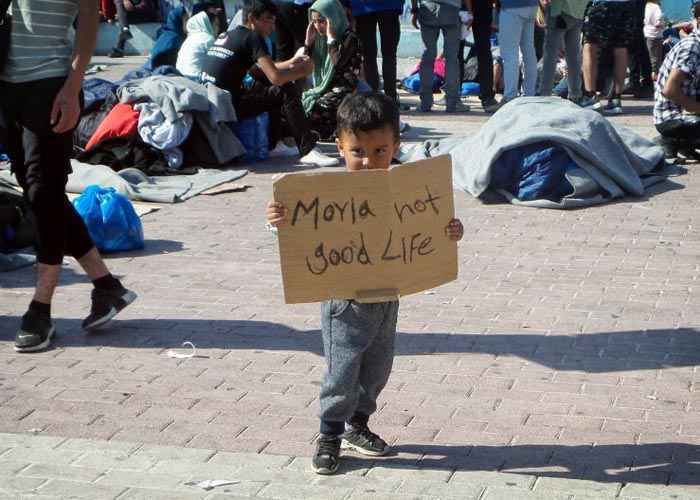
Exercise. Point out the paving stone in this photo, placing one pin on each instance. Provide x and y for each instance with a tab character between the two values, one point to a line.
76	489
294	491
69	472
16	485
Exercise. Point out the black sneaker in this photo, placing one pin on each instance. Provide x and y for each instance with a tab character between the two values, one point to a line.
34	334
105	306
325	459
364	441
116	53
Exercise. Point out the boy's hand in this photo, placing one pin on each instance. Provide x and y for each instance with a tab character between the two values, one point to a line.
454	230
276	213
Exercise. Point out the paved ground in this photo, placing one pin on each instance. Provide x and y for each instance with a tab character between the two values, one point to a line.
563	363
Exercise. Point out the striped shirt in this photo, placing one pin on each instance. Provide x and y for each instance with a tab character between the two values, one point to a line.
42	40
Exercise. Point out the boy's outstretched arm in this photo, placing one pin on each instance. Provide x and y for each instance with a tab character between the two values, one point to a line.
454	230
276	213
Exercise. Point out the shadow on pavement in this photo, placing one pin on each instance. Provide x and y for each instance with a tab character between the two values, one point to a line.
590	352
655	463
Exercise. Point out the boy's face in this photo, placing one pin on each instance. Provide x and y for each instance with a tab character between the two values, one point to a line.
263	25
369	150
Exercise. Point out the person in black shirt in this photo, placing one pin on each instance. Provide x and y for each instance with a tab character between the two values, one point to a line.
244	50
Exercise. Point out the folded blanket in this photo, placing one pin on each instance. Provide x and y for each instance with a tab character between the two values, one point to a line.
137	186
613	161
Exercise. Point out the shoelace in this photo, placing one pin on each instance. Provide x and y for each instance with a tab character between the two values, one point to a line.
368	435
328	447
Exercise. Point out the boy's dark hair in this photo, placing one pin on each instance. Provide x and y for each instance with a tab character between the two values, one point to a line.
257	8
695	9
366	111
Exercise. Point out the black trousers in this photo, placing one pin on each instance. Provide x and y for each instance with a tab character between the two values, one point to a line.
681	133
389	35
41	162
290	26
483	18
283	104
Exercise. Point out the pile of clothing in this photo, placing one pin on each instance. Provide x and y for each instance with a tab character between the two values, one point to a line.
159	122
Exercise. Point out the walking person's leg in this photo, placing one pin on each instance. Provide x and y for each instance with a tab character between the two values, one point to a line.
481	28
451	34
41	161
124	31
527	48
389	36
621	55
510	31
572	53
553	37
366	26
429	34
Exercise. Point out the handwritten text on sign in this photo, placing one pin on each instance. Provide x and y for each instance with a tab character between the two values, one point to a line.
354	235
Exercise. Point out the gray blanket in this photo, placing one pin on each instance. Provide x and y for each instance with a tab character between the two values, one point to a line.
137	186
613	160
211	107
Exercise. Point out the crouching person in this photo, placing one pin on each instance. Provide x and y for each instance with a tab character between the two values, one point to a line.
358	338
676	106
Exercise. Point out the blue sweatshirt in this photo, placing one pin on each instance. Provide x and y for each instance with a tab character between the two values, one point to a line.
360	7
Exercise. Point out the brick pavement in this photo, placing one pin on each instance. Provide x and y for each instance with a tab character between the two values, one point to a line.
561	364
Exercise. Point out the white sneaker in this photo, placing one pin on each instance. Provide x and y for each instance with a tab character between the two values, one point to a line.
403	126
283	150
315	157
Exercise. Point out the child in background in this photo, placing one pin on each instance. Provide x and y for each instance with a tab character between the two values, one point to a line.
358	338
653	32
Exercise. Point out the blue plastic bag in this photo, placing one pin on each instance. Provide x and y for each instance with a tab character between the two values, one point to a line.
253	134
412	83
469	88
110	218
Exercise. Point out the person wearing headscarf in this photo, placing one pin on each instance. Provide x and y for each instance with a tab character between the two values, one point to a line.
200	36
337	55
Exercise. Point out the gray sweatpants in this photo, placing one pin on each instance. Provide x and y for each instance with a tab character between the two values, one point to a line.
434	17
570	35
358	344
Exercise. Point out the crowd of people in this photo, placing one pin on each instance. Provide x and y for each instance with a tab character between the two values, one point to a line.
308	83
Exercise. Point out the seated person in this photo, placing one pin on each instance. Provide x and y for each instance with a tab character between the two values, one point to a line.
337	57
131	12
677	97
273	90
202	30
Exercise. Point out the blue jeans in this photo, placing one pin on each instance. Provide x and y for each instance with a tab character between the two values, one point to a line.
358	344
516	33
433	18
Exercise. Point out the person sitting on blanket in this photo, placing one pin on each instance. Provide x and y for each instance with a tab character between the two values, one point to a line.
273	90
337	56
677	97
202	30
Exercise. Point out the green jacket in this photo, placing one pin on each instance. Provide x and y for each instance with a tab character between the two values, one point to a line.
574	8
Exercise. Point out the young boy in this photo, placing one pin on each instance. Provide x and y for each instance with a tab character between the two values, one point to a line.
358	339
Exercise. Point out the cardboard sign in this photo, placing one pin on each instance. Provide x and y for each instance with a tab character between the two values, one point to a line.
370	236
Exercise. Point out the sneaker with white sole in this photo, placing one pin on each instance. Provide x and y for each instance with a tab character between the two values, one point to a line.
35	333
326	457
364	441
457	107
106	304
283	150
590	102
315	157
613	107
